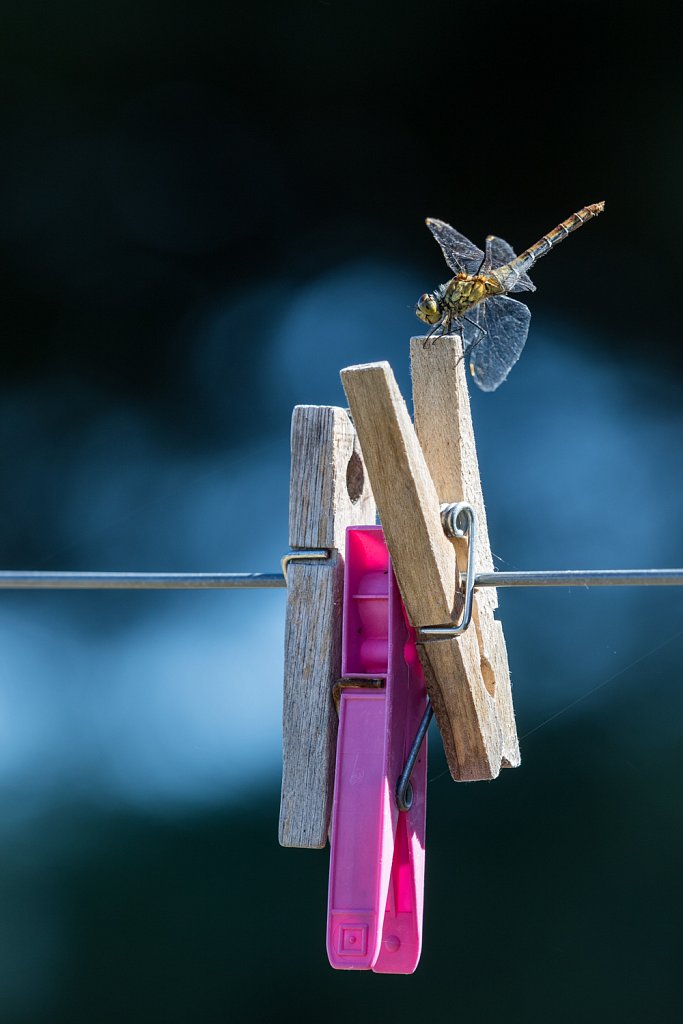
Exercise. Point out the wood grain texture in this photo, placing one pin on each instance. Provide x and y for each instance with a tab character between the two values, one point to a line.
480	692
407	502
424	563
329	490
328	486
471	734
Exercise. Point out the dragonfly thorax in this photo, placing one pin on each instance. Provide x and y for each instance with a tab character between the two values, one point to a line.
465	291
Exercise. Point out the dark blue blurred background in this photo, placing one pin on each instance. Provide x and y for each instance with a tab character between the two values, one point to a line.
207	209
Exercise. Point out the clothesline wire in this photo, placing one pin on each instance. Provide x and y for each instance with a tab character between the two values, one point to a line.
39	580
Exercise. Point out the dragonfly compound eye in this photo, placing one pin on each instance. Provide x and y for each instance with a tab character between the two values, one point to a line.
428	310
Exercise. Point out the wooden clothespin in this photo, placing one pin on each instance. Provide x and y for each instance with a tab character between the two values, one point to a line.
413	471
329	490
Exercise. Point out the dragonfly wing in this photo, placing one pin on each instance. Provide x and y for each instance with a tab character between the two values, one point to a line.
502	253
498	252
493	356
461	255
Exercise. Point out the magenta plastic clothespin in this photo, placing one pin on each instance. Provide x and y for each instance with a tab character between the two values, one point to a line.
377	854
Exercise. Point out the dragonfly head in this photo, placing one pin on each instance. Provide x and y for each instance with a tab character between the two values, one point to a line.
428	309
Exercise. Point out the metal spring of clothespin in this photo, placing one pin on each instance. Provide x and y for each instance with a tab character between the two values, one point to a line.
459	521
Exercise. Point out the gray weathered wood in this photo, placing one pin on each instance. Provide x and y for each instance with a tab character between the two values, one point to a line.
329	490
443	422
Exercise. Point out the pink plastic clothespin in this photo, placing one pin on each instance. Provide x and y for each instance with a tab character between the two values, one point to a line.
377	853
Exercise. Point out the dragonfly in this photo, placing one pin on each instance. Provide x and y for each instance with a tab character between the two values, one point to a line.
493	327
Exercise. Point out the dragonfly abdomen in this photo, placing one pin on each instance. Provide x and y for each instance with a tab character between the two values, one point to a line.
557	235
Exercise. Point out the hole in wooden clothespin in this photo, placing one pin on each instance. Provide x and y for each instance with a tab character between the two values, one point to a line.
487	671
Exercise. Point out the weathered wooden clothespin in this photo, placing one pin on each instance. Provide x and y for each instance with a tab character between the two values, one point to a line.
329	490
413	471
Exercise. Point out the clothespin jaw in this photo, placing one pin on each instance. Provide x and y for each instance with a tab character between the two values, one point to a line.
467	677
329	491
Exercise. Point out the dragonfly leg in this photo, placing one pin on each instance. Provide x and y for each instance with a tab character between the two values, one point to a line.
433	331
482	330
467	351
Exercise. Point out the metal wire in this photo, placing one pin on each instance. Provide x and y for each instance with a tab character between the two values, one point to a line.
458	521
583	578
139	580
404	789
303	555
261	580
